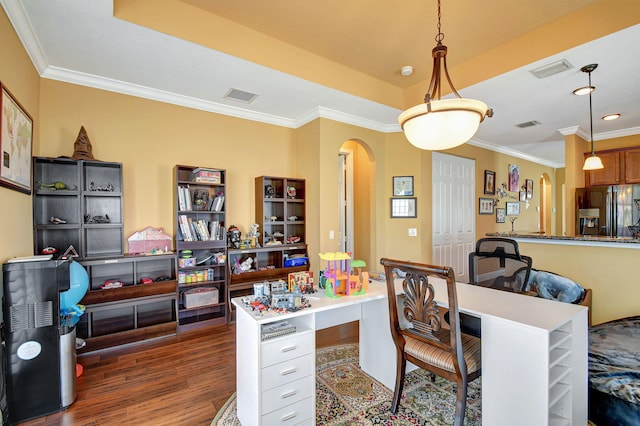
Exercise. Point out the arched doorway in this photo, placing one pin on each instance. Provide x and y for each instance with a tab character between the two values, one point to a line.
356	196
545	205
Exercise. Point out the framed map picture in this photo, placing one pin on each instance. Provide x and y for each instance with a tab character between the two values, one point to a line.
403	186
403	207
16	138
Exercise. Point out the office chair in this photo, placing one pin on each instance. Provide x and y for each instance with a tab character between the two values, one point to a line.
497	263
418	333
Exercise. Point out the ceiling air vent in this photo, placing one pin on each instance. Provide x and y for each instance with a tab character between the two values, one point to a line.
528	124
240	96
551	69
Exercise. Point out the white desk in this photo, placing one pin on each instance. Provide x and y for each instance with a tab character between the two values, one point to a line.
534	356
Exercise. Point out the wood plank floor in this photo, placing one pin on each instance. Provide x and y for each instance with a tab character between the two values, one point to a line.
181	380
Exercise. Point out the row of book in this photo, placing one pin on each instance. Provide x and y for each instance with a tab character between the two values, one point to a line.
200	230
201	200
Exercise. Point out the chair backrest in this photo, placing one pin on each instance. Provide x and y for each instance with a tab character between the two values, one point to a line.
497	263
420	316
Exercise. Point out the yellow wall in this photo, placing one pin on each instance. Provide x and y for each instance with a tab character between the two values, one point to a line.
611	274
149	138
20	77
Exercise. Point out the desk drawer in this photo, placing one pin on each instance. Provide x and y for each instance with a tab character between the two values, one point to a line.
288	371
287	394
287	347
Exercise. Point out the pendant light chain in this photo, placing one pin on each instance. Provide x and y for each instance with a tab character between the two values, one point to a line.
440	35
591	117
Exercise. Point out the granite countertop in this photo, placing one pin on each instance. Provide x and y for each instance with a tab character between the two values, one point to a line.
589	238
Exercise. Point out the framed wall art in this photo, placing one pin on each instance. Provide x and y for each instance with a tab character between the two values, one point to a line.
514	178
16	140
523	196
489	182
485	206
403	207
529	186
513	209
403	186
500	215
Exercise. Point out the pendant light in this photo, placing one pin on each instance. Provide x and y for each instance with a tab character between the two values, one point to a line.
441	124
593	162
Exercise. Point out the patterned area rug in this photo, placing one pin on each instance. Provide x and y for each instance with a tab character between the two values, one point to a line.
347	396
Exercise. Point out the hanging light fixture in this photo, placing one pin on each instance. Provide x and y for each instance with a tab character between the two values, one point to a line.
593	162
441	124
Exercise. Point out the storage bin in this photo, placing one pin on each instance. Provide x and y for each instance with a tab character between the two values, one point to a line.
200	297
296	261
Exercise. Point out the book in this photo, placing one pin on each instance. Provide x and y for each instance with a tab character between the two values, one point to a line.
280	328
218	202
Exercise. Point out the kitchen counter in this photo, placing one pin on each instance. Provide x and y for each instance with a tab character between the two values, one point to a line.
600	241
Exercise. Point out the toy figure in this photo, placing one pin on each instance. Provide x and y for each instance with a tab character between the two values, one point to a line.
338	279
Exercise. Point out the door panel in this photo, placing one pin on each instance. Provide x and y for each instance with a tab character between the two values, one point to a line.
453	212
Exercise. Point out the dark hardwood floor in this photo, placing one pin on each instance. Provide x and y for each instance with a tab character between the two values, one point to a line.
181	380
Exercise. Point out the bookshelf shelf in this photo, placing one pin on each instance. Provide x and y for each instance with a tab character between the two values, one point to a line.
90	206
200	226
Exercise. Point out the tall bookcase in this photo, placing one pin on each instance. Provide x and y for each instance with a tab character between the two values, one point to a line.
280	209
85	213
200	227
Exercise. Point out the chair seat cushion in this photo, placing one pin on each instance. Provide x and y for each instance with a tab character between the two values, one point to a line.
442	358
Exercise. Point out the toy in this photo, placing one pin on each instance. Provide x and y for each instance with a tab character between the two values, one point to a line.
339	280
302	280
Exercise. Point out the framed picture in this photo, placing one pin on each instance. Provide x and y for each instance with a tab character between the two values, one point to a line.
529	185
403	186
500	215
523	196
403	207
485	206
514	178
489	182
513	209
16	139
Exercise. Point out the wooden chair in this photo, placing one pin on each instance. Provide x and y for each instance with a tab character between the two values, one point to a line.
419	336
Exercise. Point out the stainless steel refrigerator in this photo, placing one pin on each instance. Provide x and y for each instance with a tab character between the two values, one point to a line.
606	210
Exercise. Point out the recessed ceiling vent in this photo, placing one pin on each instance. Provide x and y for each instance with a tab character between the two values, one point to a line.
240	96
528	124
551	69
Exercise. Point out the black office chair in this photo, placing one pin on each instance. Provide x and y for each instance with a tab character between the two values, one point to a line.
498	264
419	337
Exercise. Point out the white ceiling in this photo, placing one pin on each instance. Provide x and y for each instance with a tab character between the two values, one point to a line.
80	42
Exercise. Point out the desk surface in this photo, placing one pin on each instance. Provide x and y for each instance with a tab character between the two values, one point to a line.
474	300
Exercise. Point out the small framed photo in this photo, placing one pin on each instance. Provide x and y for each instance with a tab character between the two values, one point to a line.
485	206
489	182
16	138
529	186
523	196
403	207
513	208
500	215
403	186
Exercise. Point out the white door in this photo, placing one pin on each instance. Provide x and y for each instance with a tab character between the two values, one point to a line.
453	212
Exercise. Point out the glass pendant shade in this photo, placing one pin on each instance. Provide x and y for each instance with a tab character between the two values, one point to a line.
442	124
593	162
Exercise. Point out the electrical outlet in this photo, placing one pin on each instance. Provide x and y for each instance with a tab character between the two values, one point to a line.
332	235
413	232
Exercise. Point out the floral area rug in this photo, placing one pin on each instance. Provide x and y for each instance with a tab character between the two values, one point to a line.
347	396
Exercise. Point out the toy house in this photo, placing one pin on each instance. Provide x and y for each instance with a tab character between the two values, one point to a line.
339	279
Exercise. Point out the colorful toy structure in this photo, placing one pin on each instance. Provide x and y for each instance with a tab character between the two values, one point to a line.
339	279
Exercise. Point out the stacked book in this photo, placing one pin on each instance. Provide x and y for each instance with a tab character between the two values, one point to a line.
276	329
184	198
206	175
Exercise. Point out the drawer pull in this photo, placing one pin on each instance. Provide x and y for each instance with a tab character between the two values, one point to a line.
289	417
289	371
288	394
289	348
